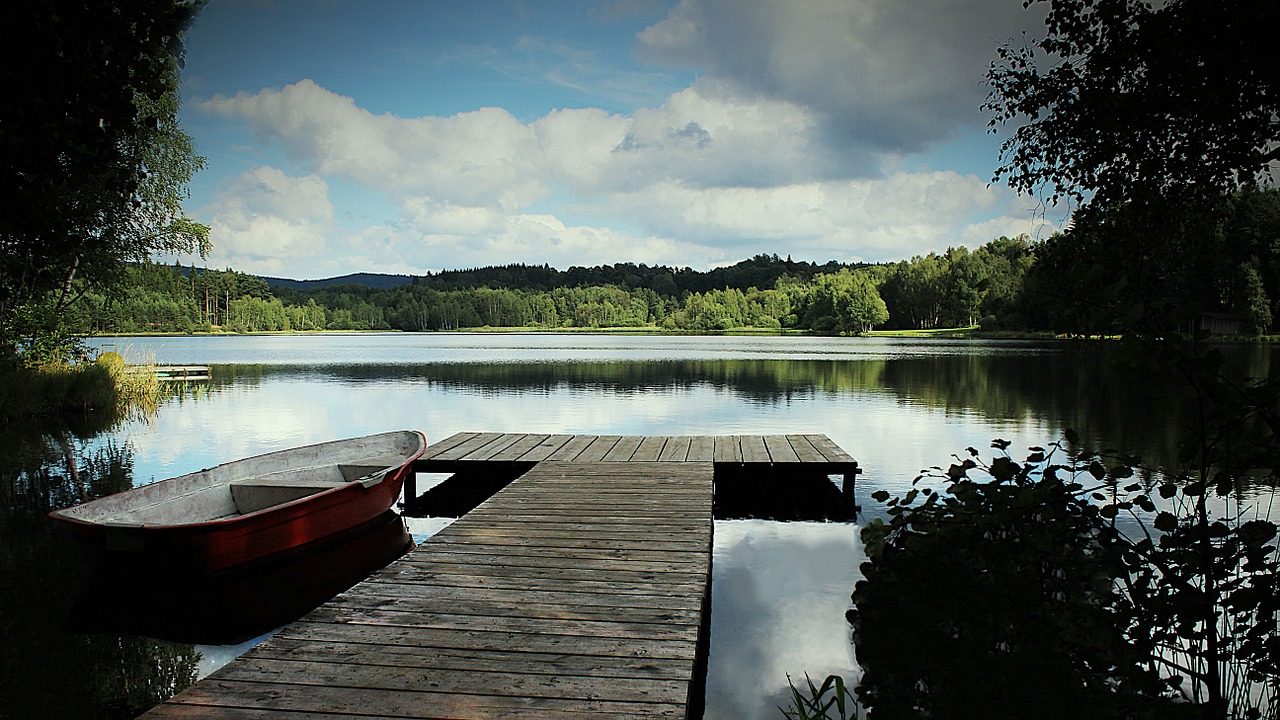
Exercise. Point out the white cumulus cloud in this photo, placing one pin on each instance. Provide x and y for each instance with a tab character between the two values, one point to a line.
263	218
886	75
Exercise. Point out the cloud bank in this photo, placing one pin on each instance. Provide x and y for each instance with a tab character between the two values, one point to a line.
790	141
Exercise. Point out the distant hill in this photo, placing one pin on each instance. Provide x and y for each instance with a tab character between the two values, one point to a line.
379	281
761	271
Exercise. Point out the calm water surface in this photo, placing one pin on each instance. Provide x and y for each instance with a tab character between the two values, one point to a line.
779	590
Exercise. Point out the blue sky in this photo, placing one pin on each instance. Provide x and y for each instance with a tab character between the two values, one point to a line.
408	137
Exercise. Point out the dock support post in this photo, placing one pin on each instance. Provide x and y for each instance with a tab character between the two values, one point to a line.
848	485
410	488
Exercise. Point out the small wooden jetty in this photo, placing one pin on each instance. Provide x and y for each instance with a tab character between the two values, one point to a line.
175	372
578	591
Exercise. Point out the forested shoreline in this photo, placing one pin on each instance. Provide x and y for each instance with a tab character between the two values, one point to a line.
765	292
1008	284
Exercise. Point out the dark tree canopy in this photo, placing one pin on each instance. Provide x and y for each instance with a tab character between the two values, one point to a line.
1133	99
93	165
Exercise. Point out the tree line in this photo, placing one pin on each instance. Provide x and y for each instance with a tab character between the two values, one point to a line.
766	292
1016	284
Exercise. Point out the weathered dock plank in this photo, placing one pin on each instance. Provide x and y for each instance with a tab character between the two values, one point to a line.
571	449
624	448
520	448
701	449
830	451
650	449
805	450
780	450
728	449
545	448
754	450
469	444
598	448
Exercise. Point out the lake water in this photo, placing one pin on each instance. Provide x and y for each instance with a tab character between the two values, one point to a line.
779	589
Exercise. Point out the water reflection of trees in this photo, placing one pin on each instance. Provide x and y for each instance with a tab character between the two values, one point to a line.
44	670
1080	387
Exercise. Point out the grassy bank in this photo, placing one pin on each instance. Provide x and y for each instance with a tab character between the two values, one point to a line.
93	393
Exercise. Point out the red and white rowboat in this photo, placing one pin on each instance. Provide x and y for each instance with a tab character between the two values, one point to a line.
248	511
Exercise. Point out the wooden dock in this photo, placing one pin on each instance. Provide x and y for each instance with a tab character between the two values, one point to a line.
578	591
465	449
181	373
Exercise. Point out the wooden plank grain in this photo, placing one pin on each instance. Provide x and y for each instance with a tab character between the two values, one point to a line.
832	452
486	452
511	682
519	448
727	449
754	450
598	448
540	606
417	703
540	642
376	623
676	449
471	444
804	449
472	581
448	443
545	448
780	449
624	449
650	449
701	449
571	448
439	658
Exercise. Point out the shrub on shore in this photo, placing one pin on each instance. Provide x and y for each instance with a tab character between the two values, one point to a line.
97	393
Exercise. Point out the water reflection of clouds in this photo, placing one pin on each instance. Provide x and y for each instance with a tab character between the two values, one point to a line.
779	593
275	410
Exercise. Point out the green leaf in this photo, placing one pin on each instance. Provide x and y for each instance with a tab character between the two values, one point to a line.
1097	470
1255	533
1166	522
1004	469
880	495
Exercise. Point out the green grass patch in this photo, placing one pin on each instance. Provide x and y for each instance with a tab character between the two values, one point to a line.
92	395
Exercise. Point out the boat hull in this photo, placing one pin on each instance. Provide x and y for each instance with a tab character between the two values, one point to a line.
233	543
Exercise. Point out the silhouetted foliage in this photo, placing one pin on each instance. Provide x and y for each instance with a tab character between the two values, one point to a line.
95	164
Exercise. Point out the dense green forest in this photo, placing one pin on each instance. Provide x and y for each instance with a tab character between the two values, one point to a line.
1006	284
764	292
